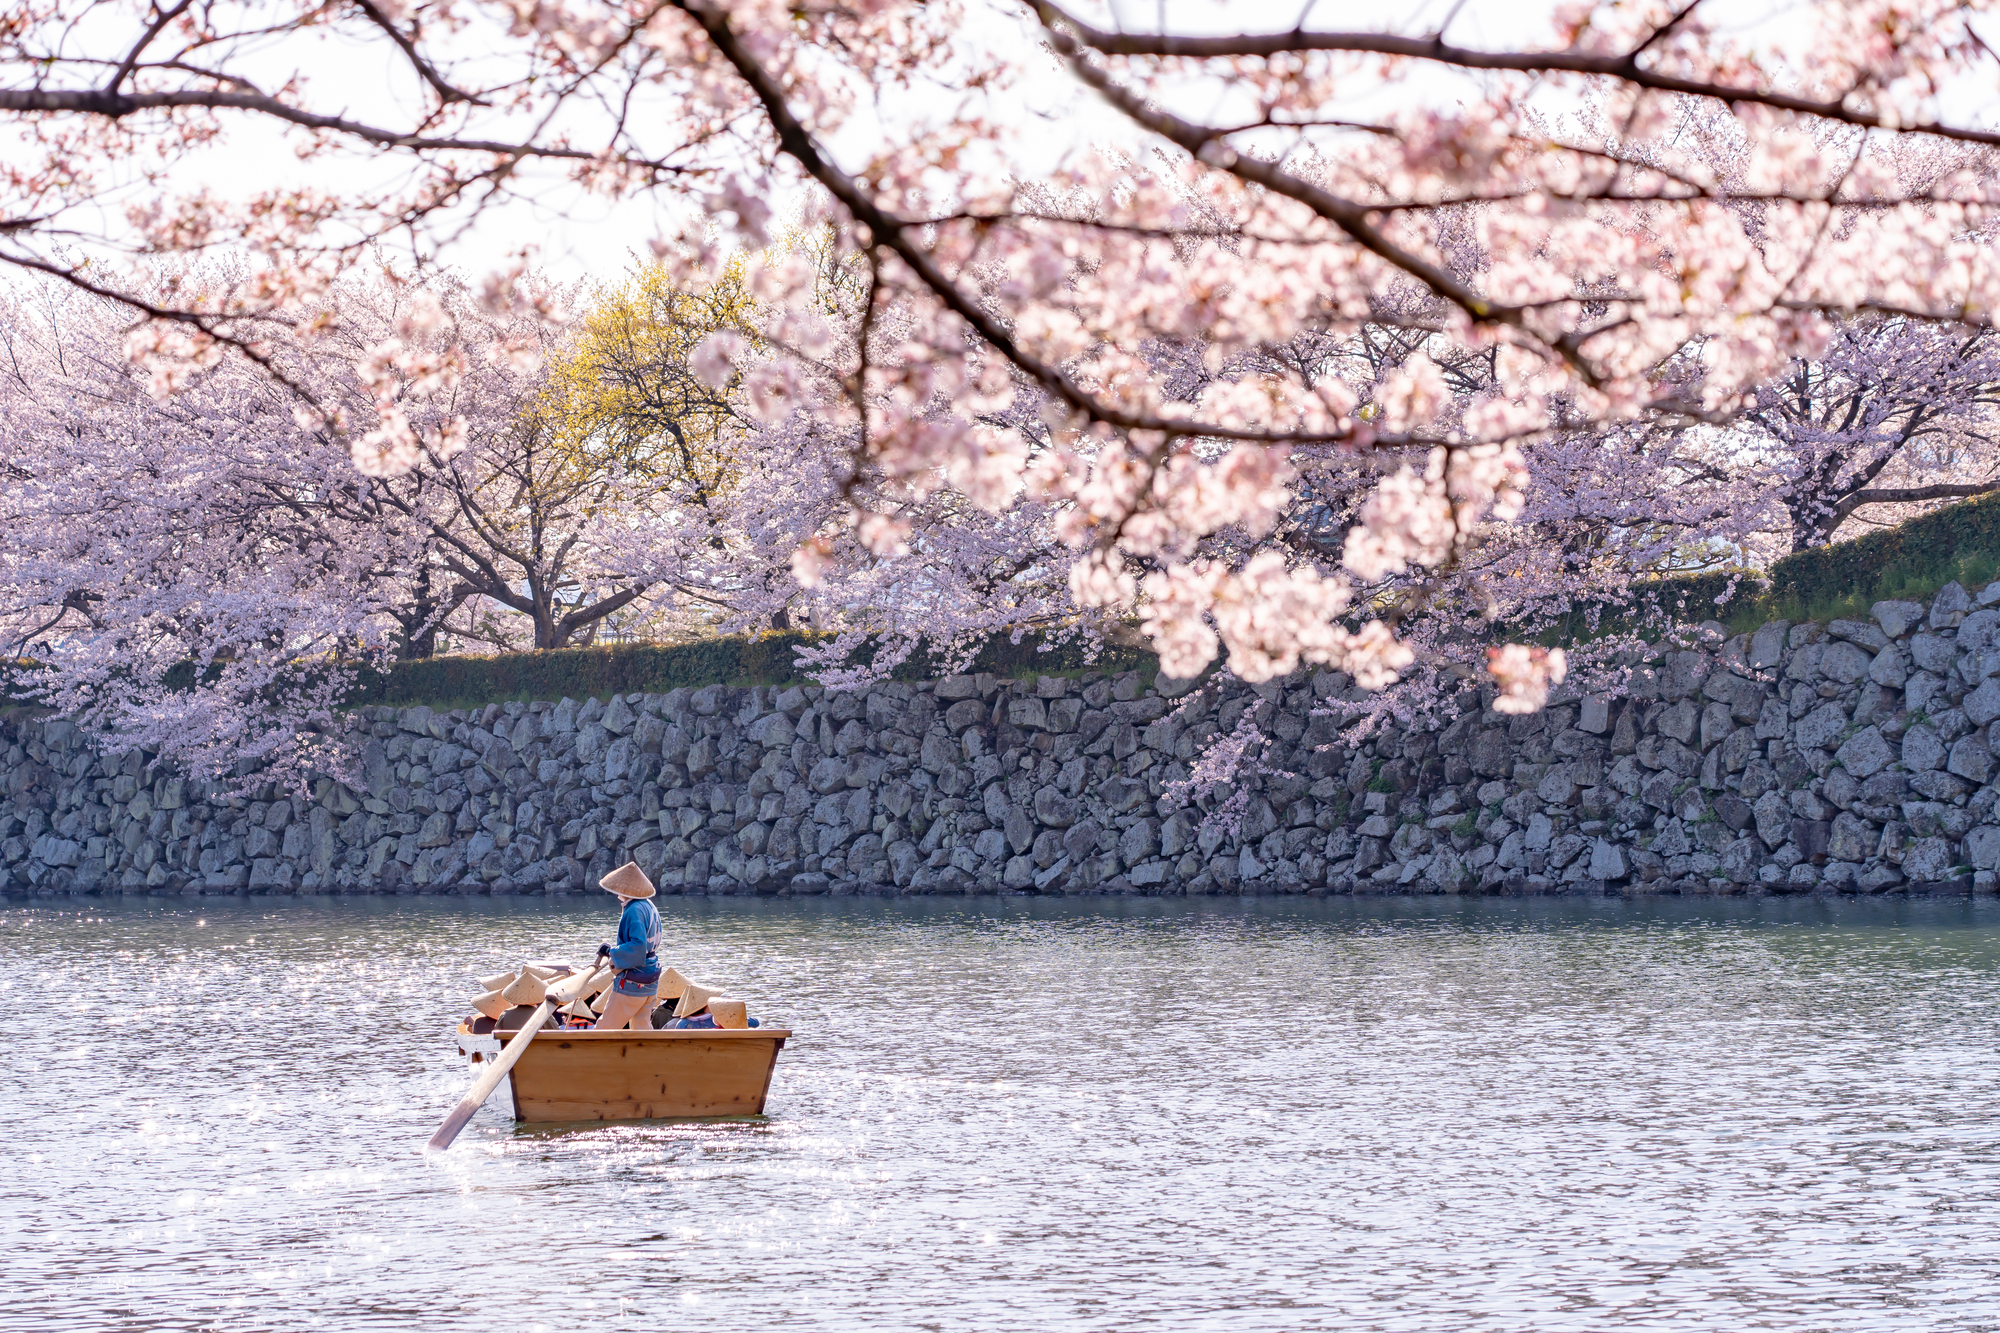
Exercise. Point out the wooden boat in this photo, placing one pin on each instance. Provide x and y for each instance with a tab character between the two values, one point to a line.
636	1075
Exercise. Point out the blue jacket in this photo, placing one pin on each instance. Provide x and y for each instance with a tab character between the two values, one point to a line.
637	953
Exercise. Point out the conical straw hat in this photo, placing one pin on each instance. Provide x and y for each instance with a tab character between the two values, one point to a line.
693	997
498	982
628	881
577	1008
491	1004
672	983
526	989
597	1005
543	970
729	1013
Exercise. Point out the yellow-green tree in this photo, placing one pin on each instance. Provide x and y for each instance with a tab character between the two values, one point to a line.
545	516
622	394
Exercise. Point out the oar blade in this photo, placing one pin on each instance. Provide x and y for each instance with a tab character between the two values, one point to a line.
483	1087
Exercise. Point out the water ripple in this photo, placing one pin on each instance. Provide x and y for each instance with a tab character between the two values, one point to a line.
1000	1115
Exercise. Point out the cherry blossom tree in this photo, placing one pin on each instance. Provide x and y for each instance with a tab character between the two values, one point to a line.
155	563
1893	413
1262	193
512	499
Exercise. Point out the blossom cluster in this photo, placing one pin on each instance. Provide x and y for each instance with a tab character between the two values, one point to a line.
1305	381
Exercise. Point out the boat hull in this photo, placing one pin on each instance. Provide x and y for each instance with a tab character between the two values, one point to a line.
637	1075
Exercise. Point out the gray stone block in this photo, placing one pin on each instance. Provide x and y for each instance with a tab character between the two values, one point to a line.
1738	749
1922	750
828	775
1865	753
1557	787
1979	632
1982	847
1851	838
618	718
1928	860
1029	713
1971	760
1684	673
1820	728
1678	721
1740	860
1863	635
1949	607
1774	819
1139	843
775	731
1983	704
1055	810
1889	669
1897	618
1717	721
1845	663
957	687
1019	828
1767	645
1932	653
1876	878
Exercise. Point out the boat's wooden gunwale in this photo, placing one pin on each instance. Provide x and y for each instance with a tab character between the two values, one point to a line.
656	1034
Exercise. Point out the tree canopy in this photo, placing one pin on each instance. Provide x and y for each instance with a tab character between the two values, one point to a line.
1337	347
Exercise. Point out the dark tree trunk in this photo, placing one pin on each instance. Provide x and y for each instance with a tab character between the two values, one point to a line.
421	621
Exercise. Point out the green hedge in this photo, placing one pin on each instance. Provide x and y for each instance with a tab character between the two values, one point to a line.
1937	546
16	674
1683	597
765	659
1959	542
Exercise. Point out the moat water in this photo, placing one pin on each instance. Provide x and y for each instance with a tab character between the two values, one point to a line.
1011	1114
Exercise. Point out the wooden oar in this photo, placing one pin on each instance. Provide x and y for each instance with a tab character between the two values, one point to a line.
561	992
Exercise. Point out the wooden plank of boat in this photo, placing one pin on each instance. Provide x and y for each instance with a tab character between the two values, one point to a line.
644	1075
558	993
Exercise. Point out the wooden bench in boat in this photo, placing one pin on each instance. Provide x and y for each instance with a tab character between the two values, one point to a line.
643	1075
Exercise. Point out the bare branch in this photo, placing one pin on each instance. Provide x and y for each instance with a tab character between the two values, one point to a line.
1624	68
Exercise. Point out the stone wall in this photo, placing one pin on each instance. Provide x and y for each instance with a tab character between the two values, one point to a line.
1847	757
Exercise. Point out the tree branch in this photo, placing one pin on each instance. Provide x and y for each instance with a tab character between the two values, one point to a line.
159	24
1623	67
116	106
1916	494
425	70
892	233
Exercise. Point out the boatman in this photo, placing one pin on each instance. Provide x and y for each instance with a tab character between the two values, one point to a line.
636	956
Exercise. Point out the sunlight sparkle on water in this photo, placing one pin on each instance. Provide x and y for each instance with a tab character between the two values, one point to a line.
1011	1115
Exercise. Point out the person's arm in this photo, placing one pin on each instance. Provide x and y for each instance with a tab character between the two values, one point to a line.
630	951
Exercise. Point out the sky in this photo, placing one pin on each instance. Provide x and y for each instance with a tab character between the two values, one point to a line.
575	235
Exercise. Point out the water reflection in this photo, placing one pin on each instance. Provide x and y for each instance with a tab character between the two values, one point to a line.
1388	1114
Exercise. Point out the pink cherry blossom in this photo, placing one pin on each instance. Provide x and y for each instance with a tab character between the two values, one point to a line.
1320	364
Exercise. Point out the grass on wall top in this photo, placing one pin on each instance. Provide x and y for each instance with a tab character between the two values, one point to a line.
1959	543
765	659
